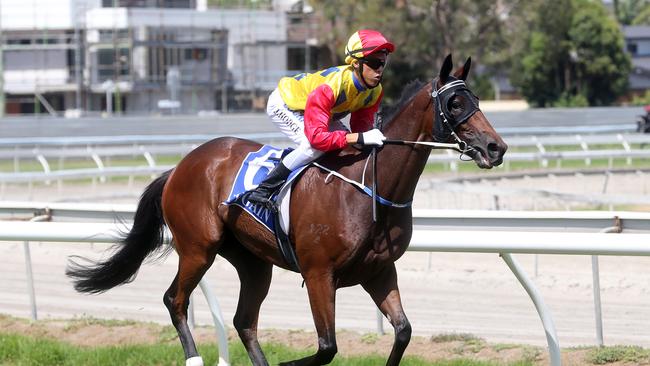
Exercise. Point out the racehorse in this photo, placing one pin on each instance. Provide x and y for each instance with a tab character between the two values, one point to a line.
337	242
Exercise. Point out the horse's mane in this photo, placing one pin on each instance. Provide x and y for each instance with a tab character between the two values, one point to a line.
387	114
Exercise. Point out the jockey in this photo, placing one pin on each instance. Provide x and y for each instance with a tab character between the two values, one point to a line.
308	108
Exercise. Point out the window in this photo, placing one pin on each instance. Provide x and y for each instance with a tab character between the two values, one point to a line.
296	58
633	48
196	54
107	65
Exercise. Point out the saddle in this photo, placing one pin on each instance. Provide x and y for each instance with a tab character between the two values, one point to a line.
275	218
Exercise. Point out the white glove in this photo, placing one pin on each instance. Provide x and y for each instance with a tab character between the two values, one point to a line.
372	137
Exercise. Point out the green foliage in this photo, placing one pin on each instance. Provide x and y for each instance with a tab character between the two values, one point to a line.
481	85
567	100
627	10
574	52
535	74
605	355
423	33
642	99
602	65
643	16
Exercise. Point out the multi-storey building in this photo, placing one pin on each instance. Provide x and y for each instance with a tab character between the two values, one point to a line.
637	42
129	55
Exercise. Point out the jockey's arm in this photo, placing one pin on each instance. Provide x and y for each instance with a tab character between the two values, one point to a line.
318	112
362	120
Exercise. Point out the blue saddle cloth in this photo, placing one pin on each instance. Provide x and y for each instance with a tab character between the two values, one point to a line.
255	167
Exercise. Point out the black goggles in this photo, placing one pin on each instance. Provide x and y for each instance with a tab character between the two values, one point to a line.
374	63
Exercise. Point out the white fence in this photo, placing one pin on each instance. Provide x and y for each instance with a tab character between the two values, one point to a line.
435	231
50	151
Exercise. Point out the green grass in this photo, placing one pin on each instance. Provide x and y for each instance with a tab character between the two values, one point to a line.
451	337
605	355
27	351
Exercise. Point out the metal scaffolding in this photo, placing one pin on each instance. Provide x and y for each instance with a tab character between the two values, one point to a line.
120	55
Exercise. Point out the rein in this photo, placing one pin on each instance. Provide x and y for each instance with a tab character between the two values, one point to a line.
461	146
435	145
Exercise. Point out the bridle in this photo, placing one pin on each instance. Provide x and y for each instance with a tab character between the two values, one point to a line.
444	123
444	126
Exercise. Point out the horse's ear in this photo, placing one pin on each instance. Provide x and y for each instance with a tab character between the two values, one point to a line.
445	70
464	71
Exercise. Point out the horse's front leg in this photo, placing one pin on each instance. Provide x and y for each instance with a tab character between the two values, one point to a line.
320	287
385	293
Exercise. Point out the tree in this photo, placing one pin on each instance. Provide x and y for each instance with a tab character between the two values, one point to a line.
600	64
423	31
627	10
574	53
643	17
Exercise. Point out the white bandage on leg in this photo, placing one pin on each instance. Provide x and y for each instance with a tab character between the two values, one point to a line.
194	361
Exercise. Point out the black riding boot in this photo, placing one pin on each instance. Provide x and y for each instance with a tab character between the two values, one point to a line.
262	193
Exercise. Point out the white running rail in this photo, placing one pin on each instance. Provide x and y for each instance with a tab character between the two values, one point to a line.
99	233
435	231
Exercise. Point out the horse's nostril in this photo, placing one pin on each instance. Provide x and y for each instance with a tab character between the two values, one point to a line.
493	149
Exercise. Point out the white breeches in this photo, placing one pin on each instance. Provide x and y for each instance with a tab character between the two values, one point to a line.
292	124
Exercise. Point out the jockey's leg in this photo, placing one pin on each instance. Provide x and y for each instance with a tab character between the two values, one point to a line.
292	124
302	155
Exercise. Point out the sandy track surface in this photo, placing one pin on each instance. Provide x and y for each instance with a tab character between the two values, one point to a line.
442	292
461	293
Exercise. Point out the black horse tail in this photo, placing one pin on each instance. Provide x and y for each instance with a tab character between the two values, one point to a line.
145	237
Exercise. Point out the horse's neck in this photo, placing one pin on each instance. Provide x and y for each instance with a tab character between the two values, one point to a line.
399	166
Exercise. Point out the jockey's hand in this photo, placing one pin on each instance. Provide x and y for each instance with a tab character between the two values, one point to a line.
372	137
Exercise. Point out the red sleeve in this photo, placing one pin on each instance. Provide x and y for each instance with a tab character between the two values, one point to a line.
318	112
363	119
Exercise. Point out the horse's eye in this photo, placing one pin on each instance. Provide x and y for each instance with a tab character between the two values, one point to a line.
455	104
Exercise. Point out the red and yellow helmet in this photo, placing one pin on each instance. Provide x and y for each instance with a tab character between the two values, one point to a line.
365	42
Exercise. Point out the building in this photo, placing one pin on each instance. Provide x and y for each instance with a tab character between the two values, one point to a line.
637	44
142	56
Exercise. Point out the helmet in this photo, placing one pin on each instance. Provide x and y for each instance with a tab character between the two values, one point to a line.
365	42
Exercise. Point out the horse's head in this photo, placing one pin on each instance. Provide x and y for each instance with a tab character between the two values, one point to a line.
459	119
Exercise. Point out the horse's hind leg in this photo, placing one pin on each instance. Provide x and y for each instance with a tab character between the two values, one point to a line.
194	259
255	279
385	293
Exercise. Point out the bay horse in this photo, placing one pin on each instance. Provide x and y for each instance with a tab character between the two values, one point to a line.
337	243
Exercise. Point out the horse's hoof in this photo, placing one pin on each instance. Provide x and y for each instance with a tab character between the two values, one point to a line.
194	361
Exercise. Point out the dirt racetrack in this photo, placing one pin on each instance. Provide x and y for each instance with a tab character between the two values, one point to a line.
442	292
